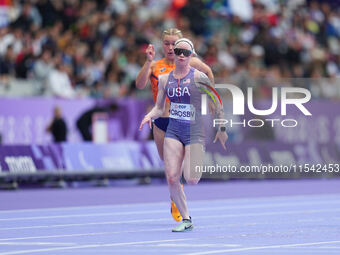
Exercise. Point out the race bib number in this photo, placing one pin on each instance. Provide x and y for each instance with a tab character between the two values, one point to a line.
182	111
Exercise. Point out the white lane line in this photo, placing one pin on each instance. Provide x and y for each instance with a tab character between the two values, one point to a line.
255	199
125	231
36	243
86	224
195	245
93	246
228	207
212	216
327	247
311	220
261	248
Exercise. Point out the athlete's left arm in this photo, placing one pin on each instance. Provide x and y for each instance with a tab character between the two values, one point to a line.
195	62
203	82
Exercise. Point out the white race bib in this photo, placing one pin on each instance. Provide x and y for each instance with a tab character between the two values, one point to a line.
182	111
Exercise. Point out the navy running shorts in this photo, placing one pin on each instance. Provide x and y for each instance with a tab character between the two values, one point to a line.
162	123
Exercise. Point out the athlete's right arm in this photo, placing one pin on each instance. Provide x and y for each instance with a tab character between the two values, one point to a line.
158	109
145	73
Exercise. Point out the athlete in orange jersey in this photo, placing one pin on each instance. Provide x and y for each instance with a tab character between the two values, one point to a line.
153	70
160	67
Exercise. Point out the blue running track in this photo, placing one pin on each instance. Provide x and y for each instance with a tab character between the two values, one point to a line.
239	217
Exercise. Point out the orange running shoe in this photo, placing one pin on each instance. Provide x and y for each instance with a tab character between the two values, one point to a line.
174	211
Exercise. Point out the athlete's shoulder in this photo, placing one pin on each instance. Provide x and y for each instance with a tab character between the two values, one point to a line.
201	77
159	61
199	74
200	65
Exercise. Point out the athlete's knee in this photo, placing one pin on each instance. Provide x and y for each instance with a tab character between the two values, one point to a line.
192	178
173	179
192	181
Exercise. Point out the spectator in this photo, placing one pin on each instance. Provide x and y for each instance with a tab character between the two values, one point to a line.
43	67
59	82
58	126
25	20
95	38
7	64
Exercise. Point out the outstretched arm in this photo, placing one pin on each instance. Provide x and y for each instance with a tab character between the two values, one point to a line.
144	74
158	109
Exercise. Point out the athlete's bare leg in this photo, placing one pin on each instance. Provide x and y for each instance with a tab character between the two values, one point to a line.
158	135
173	158
193	156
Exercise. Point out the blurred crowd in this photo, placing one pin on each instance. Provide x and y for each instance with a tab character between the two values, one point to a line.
87	48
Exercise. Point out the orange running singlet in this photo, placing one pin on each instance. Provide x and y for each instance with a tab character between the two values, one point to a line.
160	68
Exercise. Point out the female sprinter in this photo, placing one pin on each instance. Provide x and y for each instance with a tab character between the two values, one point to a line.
151	70
184	137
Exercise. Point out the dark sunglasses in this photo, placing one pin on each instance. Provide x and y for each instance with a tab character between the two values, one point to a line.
179	51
